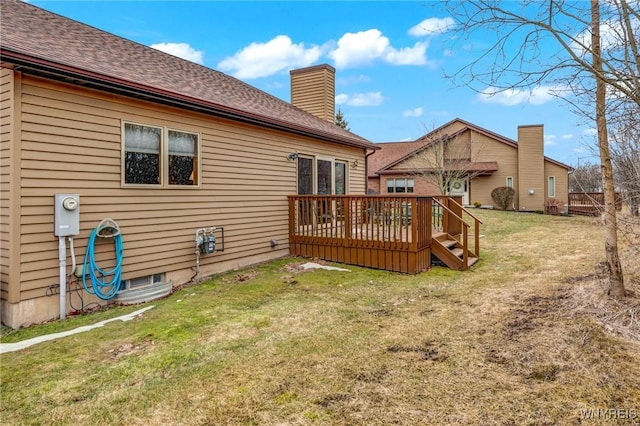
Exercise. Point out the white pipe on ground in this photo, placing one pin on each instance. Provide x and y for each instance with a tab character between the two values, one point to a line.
62	257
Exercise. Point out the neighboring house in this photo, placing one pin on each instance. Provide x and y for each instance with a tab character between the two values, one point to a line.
481	161
161	145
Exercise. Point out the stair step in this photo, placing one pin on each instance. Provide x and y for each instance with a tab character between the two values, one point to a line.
449	243
458	252
471	261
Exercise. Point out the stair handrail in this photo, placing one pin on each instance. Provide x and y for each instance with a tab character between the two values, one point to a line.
465	233
476	228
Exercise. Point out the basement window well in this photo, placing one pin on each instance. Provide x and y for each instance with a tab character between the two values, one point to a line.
143	289
142	281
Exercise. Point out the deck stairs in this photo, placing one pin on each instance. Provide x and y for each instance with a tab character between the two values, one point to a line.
450	251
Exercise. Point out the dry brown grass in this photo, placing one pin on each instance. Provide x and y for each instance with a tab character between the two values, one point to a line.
527	337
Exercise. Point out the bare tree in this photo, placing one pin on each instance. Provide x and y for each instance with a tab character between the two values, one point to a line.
558	41
616	280
625	153
585	178
446	160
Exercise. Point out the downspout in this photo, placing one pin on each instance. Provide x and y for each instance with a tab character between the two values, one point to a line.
366	169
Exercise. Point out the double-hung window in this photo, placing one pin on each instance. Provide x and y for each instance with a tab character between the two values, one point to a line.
159	156
552	186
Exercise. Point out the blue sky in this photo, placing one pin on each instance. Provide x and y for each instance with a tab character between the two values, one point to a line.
390	58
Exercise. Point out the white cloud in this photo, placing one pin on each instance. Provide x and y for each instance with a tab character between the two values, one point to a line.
567	136
264	59
590	132
432	26
416	112
364	47
416	55
360	99
550	140
510	97
181	50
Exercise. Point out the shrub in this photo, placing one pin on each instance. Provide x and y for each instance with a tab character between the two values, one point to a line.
503	196
477	204
553	206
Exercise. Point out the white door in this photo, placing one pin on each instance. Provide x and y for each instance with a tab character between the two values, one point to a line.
460	187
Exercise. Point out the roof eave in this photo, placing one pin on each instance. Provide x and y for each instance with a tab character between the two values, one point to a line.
129	88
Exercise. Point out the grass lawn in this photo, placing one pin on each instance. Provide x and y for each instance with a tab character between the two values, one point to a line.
526	337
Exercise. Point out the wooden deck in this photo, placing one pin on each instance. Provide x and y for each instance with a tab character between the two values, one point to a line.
589	203
393	233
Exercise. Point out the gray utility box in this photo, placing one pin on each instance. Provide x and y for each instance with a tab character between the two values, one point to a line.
67	215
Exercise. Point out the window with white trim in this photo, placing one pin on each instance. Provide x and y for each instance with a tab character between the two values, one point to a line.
552	186
322	176
159	156
509	181
400	186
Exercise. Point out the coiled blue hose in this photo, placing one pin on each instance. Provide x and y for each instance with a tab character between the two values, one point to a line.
101	285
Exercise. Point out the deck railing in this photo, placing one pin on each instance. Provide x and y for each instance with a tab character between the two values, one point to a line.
376	228
385	232
454	215
590	203
372	221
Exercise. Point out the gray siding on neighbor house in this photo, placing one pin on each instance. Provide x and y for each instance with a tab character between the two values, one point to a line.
71	143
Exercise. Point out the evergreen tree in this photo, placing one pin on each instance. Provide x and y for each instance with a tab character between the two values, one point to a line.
340	121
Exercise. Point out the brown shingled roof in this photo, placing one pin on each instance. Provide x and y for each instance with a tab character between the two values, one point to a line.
44	42
392	153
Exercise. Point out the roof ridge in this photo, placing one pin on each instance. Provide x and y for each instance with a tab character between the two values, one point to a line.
55	42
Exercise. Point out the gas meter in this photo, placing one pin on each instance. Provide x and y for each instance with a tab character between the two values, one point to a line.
206	240
209	244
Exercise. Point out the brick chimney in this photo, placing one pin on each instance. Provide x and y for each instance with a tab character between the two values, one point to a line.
313	89
531	168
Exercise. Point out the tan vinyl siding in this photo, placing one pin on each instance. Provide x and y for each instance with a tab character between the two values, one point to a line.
313	90
561	180
485	148
531	168
6	136
71	143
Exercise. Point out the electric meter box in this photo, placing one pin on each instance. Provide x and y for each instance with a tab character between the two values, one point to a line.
67	215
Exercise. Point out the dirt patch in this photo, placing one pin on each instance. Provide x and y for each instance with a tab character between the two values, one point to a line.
372	376
127	349
533	312
428	351
544	373
241	277
382	312
294	267
332	399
